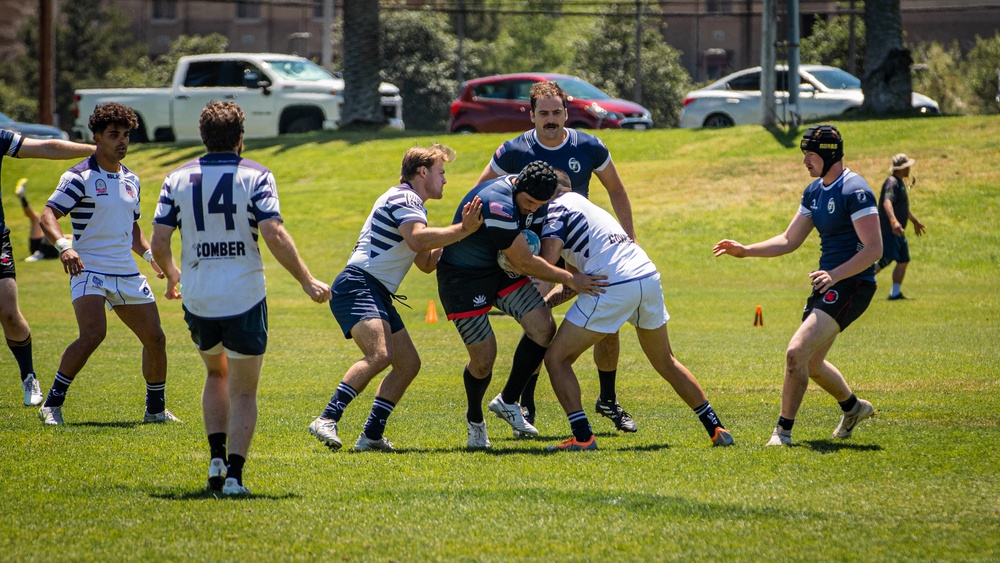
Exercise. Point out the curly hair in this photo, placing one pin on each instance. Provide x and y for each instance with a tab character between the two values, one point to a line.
424	156
546	90
538	180
221	126
112	113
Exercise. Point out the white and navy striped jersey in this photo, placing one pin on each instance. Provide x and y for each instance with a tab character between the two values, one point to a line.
579	155
593	241
102	207
10	143
833	210
217	201
381	250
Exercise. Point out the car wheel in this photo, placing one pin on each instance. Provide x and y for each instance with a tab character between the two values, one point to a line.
718	121
304	125
464	130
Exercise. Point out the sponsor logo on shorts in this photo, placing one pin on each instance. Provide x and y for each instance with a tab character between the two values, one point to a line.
101	187
6	259
145	290
97	282
479	301
831	296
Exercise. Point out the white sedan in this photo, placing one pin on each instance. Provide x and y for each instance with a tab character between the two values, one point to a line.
823	91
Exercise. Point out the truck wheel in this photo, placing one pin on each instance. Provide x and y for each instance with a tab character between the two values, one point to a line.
304	125
138	135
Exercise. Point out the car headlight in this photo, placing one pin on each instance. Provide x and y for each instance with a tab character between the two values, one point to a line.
601	113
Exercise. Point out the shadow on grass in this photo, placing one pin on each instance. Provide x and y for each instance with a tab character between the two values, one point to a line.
829	446
204	494
110	424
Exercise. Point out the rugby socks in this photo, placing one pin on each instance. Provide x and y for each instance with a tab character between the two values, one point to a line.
847	405
528	397
710	420
217	445
580	426
57	394
235	470
607	378
341	398
22	354
155	397
475	390
375	425
527	358
785	423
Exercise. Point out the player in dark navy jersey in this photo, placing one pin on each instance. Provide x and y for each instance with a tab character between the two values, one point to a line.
15	328
471	282
579	155
842	208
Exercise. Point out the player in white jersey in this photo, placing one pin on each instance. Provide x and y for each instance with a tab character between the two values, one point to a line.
220	202
101	196
591	241
15	328
579	155
394	237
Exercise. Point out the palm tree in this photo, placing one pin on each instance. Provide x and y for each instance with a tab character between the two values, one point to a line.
886	81
362	61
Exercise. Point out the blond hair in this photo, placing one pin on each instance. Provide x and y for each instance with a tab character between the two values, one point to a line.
424	156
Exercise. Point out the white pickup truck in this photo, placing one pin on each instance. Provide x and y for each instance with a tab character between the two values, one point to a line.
278	94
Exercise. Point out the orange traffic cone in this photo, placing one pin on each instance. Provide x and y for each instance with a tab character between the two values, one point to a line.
432	314
758	318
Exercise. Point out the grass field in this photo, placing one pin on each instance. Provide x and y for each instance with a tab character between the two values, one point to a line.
918	482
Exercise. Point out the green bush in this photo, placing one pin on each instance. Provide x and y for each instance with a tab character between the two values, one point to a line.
980	72
937	75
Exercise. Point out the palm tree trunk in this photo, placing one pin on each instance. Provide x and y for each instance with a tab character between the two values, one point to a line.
362	61
886	82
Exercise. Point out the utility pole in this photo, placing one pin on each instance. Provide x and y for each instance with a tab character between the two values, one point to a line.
460	32
850	43
793	62
769	21
326	35
638	51
45	62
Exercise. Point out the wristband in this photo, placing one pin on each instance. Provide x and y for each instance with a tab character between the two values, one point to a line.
62	245
148	255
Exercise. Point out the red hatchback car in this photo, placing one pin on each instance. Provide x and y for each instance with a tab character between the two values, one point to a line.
499	104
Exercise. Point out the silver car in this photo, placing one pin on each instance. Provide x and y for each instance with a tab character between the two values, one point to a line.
823	91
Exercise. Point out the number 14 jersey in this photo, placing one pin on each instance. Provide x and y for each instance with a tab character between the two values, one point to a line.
217	201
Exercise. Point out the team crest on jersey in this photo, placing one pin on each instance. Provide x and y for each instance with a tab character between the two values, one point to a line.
831	296
574	165
101	187
830	206
479	301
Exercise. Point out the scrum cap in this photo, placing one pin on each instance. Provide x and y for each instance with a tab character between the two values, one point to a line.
825	141
538	180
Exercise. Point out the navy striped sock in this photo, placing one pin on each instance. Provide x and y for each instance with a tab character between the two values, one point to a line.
341	398
580	425
155	397
57	394
375	425
708	418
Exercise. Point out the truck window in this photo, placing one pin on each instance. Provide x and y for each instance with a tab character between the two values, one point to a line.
218	74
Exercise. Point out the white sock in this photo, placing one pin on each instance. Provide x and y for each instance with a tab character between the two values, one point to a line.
896	289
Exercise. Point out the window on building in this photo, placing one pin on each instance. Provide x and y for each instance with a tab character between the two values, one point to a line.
719	6
164	9
249	10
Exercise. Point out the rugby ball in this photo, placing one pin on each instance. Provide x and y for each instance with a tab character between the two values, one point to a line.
534	244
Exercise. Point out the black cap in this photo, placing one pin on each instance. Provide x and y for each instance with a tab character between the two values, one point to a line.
538	180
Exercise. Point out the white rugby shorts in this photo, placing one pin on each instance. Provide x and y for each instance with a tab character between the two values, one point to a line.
639	302
116	290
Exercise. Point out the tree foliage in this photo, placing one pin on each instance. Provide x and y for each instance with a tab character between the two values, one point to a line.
980	69
829	43
937	75
605	56
419	57
158	73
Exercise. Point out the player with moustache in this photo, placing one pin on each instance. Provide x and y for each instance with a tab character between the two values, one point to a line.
581	156
471	283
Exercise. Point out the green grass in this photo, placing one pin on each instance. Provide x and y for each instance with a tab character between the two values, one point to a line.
918	482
